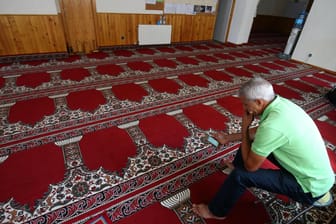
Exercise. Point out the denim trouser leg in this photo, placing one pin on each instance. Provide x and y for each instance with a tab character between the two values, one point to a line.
276	181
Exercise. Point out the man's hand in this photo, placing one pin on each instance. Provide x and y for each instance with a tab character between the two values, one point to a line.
221	137
247	119
224	138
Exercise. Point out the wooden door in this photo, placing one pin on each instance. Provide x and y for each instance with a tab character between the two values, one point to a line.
78	19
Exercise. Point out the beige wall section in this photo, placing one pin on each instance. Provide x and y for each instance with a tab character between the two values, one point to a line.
27	34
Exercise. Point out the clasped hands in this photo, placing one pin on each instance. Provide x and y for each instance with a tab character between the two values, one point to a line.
224	138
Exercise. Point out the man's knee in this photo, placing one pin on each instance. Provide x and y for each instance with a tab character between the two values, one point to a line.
242	177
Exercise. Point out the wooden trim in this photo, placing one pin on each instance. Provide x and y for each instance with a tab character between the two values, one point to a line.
95	22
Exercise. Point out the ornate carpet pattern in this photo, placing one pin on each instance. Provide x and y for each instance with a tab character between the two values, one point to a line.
118	130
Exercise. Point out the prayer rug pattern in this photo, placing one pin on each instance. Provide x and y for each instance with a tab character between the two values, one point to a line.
132	95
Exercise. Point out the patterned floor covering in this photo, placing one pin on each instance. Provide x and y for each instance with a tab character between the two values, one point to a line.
121	129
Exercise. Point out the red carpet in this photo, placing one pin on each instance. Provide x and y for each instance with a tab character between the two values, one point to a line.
188	60
79	100
172	135
201	47
97	55
301	85
286	92
221	46
100	219
71	58
326	76
2	82
317	82
272	66
207	58
218	75
331	115
166	49
124	53
239	72
232	104
140	66
194	80
184	48
109	148
165	85
257	68
109	69
255	53
152	214
130	91
103	137
36	109
203	191
146	51
328	133
286	63
239	55
327	130
35	62
28	173
75	74
225	56
213	118
165	63
33	80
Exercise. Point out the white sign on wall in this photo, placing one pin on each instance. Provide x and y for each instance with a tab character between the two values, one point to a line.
28	7
124	6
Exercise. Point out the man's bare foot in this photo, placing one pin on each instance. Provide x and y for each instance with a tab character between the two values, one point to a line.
203	211
228	168
229	165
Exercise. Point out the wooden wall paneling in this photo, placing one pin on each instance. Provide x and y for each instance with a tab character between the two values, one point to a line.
8	39
102	31
209	27
197	27
84	29
28	34
121	29
95	22
175	21
79	24
187	28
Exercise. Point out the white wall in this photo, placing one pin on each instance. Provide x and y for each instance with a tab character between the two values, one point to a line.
124	6
318	36
242	19
28	7
222	20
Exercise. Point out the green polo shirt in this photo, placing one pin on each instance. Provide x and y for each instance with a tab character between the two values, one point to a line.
288	132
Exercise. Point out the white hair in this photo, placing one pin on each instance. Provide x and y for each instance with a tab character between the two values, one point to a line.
257	88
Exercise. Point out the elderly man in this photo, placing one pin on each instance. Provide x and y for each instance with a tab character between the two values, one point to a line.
288	137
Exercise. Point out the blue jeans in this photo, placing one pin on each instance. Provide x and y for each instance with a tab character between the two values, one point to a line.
277	181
